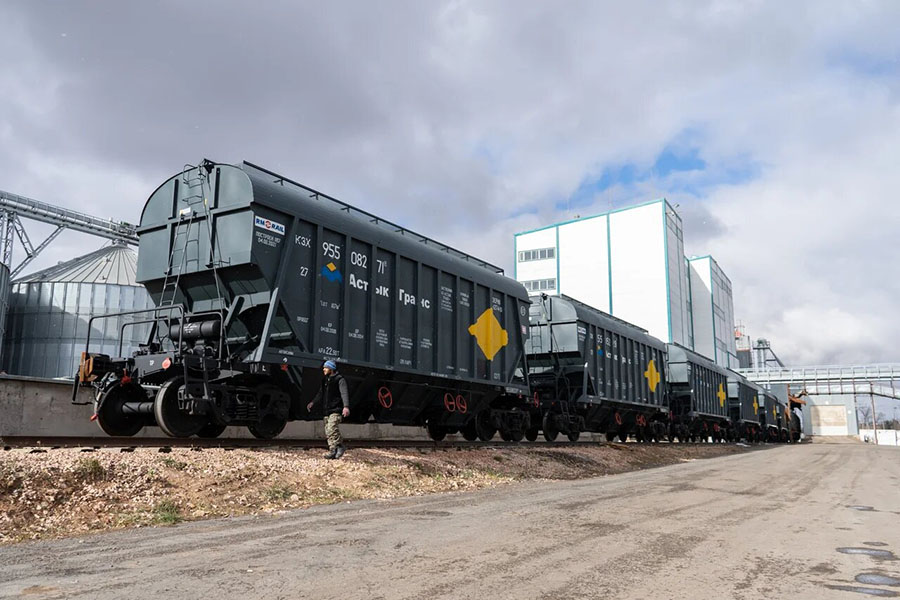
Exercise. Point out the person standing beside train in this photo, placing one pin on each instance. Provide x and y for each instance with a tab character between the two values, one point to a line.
336	404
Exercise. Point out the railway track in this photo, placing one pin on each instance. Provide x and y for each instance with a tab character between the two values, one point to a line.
50	443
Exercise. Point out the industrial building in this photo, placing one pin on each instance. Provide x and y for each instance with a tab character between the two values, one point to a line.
49	311
630	263
830	416
712	311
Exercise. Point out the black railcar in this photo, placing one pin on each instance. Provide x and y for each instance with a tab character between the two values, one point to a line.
698	396
745	404
590	371
771	417
258	279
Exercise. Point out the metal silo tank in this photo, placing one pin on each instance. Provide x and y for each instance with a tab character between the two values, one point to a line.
4	306
49	312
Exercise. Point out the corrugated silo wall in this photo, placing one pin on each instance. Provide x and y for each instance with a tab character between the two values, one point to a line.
4	307
48	325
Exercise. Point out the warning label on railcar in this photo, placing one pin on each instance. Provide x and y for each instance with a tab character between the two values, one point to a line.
267	240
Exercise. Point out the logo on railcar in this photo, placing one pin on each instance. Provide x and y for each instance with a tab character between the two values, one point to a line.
332	273
269	225
489	334
652	375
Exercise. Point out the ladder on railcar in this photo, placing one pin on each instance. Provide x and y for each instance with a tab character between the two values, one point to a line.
196	179
173	272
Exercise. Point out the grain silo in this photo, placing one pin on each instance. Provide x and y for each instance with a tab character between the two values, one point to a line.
4	304
49	311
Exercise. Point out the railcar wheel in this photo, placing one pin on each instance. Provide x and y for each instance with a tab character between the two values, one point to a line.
435	431
531	434
573	436
483	426
108	408
211	430
623	436
549	427
171	419
610	436
469	433
268	428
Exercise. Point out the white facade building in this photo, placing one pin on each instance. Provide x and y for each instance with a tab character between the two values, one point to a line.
712	311
830	415
628	262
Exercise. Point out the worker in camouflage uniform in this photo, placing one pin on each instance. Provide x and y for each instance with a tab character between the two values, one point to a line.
336	404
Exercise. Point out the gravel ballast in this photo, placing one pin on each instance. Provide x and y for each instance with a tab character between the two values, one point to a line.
65	492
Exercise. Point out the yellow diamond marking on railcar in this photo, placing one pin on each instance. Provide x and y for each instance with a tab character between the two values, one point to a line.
652	375
331	267
489	334
755	405
721	395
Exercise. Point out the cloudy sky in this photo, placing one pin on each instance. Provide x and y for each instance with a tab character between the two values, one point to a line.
774	125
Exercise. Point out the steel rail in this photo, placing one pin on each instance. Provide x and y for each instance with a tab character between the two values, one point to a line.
164	444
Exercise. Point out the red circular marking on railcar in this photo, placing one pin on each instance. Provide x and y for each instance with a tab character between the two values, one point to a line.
449	402
462	405
618	419
166	363
537	400
641	420
385	398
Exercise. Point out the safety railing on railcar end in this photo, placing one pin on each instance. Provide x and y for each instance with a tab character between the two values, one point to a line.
155	321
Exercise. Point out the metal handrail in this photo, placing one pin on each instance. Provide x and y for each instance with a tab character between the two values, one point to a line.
155	310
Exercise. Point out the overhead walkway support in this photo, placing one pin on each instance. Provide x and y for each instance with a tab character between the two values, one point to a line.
13	208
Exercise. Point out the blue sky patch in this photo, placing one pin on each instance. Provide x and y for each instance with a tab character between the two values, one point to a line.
674	171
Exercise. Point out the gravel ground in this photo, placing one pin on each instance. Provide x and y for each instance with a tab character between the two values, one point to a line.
65	492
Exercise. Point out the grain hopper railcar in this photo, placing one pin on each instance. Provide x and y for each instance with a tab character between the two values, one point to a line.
698	396
775	419
590	371
257	279
745	404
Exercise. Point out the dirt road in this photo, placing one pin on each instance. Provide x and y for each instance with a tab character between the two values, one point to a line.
767	524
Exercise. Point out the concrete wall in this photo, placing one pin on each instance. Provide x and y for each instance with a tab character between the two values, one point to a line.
886	437
40	407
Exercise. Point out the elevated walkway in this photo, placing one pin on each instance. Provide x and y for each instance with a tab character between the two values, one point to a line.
877	380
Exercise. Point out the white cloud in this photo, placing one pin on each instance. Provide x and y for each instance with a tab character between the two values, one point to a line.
470	121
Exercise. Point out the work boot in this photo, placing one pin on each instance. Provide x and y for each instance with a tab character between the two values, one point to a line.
330	454
339	451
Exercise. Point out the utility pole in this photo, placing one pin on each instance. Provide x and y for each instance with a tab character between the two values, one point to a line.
874	423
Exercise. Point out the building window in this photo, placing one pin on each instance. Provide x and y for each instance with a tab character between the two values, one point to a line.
540	285
539	254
